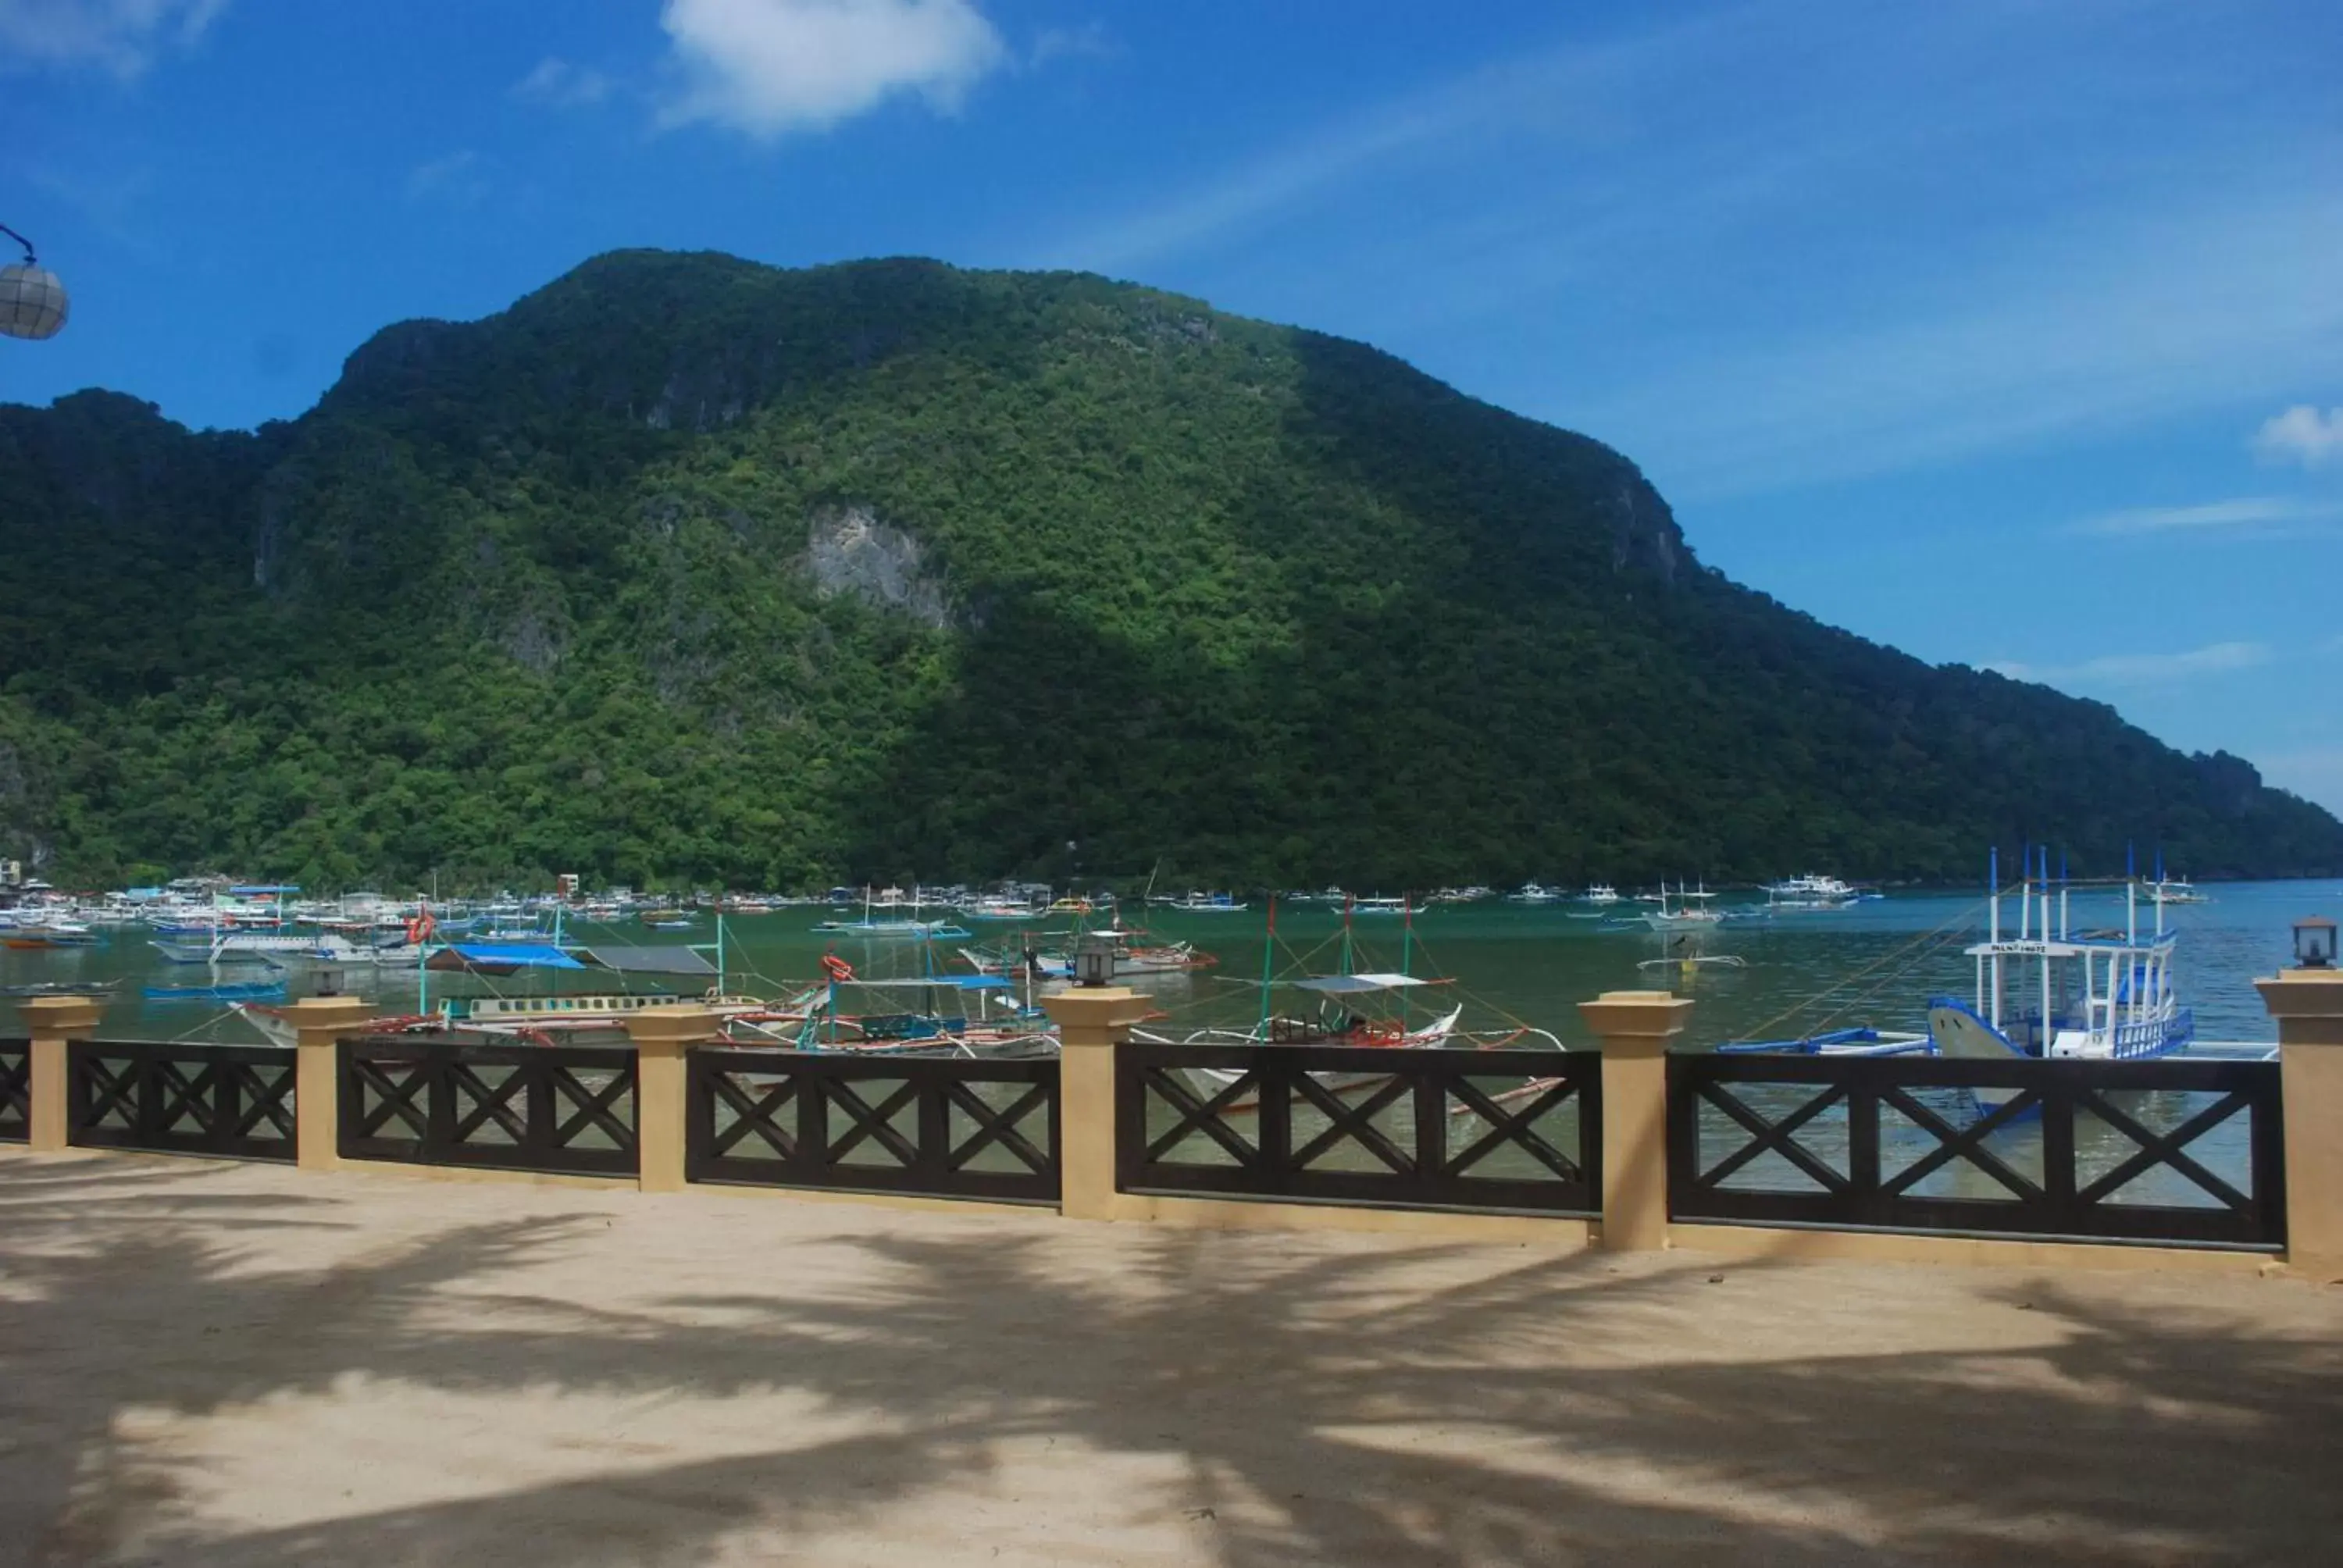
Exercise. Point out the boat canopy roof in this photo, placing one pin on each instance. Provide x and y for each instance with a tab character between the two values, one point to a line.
653	961
512	955
2070	948
1350	985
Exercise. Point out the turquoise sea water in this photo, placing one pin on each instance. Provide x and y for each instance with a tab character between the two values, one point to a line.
1874	963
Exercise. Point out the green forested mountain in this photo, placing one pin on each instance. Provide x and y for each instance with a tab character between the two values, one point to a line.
685	570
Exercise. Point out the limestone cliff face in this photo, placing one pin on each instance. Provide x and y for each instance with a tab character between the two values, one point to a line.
849	551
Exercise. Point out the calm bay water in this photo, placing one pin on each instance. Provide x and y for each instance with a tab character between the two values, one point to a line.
1509	965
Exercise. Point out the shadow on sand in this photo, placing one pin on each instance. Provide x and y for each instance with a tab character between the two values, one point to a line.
1293	1403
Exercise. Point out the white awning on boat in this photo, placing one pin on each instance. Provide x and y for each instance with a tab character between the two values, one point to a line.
1349	985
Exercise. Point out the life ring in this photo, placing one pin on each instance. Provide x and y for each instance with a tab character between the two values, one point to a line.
420	929
837	967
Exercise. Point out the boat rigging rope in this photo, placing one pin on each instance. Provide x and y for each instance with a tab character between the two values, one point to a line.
1932	939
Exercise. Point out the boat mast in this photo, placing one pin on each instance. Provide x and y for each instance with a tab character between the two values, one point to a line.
1268	957
1406	950
2066	926
2131	896
1992	931
2042	1039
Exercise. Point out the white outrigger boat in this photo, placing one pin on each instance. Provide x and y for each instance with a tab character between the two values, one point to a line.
893	928
1691	913
2046	993
1813	891
2100	996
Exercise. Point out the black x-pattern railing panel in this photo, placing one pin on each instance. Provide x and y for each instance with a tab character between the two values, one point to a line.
178	1097
489	1102
15	1091
818	1118
1463	1111
2041	1099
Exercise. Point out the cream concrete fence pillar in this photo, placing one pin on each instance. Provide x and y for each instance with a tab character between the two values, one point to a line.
663	1038
2308	1007
318	1024
49	1022
1091	1022
1634	1027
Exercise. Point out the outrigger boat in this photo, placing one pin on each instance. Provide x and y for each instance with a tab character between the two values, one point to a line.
1351	1008
870	926
942	1024
2104	996
1132	956
2046	992
1205	903
1810	891
1687	915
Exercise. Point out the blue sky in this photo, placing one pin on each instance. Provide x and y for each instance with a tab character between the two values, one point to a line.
2007	333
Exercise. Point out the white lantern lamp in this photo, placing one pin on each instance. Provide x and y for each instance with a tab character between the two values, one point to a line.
1093	959
32	301
2314	942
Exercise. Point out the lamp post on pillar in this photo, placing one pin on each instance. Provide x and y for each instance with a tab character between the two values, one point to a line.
2307	1000
1634	1027
1092	1020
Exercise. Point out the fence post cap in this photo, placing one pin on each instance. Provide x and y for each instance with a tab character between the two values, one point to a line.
1636	1015
2303	993
56	1015
328	1009
1096	1007
673	1023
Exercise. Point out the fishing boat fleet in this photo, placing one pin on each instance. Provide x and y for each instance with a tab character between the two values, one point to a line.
904	970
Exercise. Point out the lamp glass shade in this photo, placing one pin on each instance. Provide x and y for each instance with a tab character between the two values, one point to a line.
2313	943
32	301
1093	960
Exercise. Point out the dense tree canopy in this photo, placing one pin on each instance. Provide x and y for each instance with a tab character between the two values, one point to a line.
689	570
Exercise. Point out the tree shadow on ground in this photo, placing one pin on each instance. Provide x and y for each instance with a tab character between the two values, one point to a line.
1230	1399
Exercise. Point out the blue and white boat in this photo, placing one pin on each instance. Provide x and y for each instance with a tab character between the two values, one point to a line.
2046	993
2049	993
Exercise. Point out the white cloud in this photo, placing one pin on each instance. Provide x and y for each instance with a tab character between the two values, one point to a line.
1089	40
118	36
563	83
2143	668
2302	435
2249	514
460	177
771	67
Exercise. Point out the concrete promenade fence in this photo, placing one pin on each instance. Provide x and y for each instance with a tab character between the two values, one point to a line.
1631	1147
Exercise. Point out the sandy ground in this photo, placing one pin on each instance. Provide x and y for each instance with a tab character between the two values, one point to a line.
211	1364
